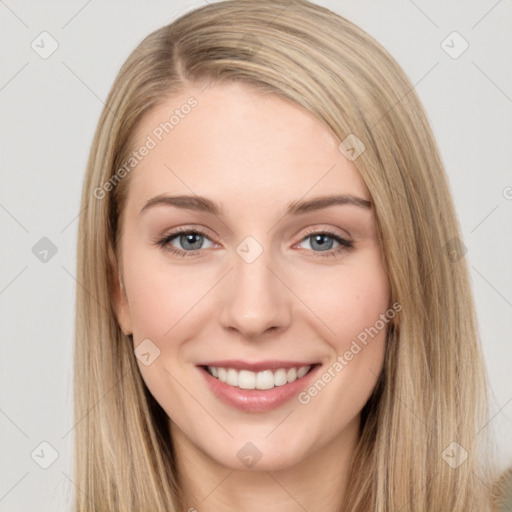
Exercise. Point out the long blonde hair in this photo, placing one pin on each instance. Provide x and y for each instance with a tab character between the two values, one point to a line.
432	390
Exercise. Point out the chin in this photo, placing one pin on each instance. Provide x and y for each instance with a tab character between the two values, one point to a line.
260	454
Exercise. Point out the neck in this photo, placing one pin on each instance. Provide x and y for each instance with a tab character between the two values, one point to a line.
317	482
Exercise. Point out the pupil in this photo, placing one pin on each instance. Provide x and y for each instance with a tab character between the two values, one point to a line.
194	239
324	242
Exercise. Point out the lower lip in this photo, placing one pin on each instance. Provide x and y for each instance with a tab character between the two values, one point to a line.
257	400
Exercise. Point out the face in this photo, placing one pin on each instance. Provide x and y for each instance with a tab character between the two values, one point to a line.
250	255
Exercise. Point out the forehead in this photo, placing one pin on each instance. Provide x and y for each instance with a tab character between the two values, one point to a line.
237	143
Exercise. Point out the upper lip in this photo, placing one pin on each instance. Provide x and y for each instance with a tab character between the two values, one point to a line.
255	366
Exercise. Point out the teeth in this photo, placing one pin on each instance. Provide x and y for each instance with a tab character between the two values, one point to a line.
232	377
301	372
291	375
280	377
247	380
265	379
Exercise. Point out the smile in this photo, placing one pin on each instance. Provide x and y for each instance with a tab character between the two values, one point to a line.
257	387
266	379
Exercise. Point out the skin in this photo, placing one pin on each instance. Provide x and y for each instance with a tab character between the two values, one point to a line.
253	154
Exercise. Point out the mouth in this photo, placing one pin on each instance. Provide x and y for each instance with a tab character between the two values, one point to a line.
257	387
262	380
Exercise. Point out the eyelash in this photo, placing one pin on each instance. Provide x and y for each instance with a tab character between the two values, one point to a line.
164	243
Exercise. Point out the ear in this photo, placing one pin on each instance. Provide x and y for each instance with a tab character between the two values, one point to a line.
119	298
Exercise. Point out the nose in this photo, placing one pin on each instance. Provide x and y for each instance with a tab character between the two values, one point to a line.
255	301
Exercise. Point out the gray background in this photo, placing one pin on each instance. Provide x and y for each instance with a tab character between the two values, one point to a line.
49	110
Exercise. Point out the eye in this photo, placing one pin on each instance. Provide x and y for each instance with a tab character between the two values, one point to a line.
326	242
190	242
185	242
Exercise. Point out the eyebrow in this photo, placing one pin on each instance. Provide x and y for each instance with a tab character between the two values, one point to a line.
206	205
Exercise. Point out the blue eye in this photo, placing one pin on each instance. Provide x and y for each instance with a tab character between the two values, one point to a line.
189	241
323	242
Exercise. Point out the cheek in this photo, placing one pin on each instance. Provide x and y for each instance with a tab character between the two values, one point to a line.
161	295
348	299
352	303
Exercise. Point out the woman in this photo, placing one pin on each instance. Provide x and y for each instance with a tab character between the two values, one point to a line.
275	311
